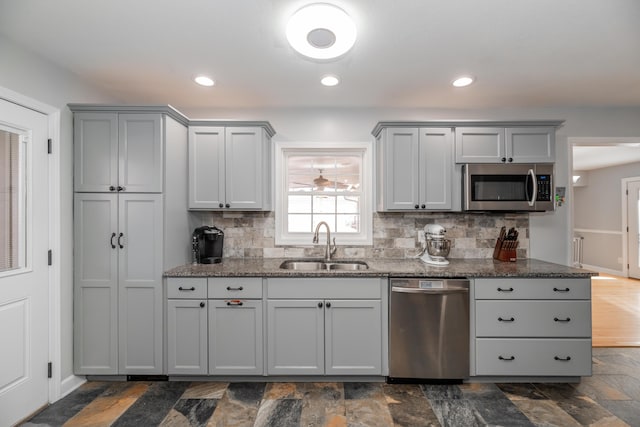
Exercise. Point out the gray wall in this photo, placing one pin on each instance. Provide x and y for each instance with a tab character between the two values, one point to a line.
37	78
598	206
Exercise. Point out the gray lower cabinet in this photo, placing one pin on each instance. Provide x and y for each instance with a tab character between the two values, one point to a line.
187	326
235	326
118	284
532	327
324	326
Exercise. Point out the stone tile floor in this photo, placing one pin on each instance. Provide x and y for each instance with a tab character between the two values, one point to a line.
611	397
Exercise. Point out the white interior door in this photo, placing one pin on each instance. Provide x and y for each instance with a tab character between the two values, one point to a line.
633	235
24	242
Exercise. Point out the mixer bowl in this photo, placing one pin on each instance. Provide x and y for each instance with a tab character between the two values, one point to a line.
438	247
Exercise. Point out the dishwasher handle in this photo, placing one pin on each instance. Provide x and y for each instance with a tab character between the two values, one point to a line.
433	291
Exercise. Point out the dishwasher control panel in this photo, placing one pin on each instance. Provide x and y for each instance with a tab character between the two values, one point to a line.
431	284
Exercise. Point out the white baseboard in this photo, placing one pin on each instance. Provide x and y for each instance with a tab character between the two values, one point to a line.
70	383
604	270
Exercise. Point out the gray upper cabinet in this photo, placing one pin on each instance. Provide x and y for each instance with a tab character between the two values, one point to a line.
117	284
415	169
505	145
118	152
229	168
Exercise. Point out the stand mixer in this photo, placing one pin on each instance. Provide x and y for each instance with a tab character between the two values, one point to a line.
436	247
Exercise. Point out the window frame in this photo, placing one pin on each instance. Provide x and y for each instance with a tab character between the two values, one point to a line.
363	149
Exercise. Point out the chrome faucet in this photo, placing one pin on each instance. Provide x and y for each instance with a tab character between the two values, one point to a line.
328	250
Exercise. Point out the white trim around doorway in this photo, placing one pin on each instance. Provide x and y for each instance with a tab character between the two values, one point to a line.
55	355
625	223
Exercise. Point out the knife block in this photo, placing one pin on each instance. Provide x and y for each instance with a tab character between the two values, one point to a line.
505	250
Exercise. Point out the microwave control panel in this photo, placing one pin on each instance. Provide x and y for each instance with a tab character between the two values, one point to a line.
544	188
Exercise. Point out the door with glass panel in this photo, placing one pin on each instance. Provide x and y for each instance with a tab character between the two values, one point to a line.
24	242
633	233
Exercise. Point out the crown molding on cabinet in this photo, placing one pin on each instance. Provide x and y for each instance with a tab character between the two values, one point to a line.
467	123
171	112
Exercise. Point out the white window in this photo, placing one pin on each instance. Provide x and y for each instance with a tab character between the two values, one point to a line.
12	200
323	182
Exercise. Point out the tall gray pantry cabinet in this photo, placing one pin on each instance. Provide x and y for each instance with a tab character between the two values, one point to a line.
118	242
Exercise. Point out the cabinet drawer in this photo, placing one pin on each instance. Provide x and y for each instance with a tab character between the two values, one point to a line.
521	288
321	288
235	287
533	357
186	288
533	318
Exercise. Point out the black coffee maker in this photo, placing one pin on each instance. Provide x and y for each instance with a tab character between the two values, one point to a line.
206	245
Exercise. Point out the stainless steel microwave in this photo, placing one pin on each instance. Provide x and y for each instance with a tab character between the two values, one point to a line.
510	187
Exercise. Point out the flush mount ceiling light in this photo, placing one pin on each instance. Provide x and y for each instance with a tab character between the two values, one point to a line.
463	81
330	80
321	31
204	81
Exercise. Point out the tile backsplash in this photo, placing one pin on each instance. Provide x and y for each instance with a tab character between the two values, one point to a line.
395	235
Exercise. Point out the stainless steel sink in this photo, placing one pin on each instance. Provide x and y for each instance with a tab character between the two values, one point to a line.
314	265
303	265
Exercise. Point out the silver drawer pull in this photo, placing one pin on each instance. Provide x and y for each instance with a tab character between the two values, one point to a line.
234	302
505	290
561	290
568	319
239	288
186	289
563	359
510	319
507	358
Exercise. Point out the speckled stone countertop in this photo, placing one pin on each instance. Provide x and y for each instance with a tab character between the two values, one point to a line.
270	267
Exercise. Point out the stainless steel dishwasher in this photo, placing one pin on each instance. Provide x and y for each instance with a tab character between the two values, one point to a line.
428	329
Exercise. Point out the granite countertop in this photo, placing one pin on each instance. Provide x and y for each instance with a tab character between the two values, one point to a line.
270	267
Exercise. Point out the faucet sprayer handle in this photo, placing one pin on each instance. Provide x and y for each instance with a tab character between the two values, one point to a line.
335	248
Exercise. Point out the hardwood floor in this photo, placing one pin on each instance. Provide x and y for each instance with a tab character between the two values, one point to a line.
616	311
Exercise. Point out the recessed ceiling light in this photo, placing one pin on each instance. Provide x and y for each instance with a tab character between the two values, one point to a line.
204	81
463	81
321	31
330	80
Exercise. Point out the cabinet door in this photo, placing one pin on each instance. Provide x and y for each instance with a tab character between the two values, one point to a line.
353	337
235	337
140	283
206	167
400	163
531	145
95	284
187	337
140	152
95	146
436	168
480	145
244	153
295	337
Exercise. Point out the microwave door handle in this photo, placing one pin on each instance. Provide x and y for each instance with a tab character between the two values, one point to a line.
534	179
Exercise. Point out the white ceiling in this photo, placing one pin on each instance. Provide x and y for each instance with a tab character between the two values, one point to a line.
523	53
